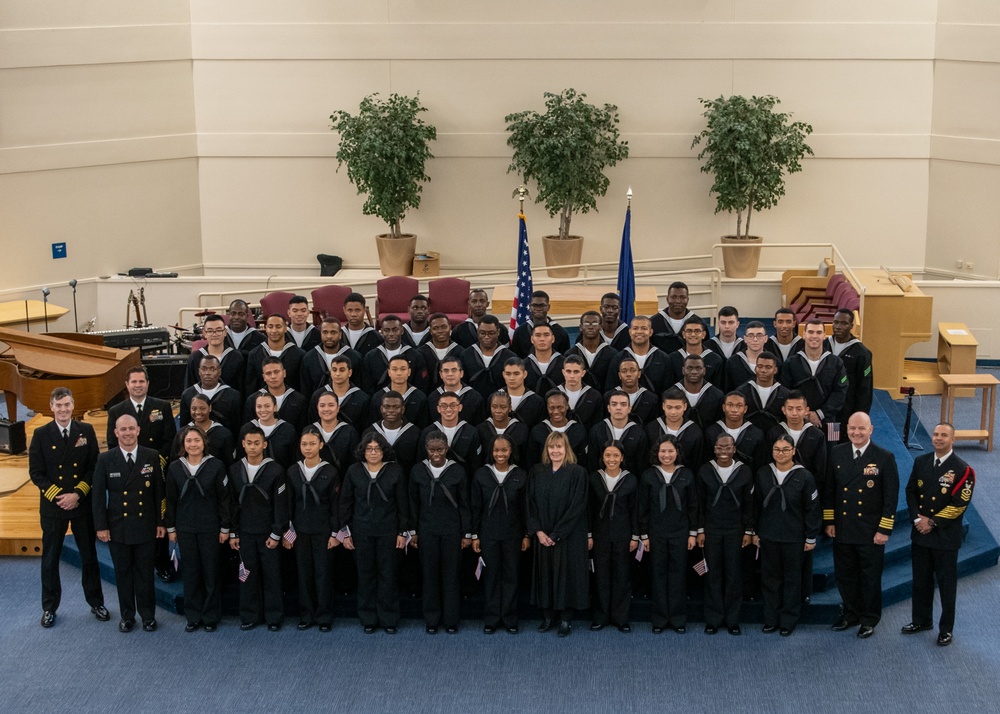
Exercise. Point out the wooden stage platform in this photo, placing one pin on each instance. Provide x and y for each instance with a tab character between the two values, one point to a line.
20	530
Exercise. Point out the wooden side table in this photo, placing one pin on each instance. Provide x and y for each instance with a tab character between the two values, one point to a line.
988	383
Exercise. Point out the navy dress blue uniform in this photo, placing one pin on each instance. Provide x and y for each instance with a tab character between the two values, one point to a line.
598	363
129	501
499	522
59	465
633	439
231	362
765	414
198	511
789	516
353	406
857	361
484	378
726	516
860	501
516	431
313	505
668	516
440	513
520	341
226	407
253	379
942	493
589	407
260	512
613	522
825	389
376	512
157	427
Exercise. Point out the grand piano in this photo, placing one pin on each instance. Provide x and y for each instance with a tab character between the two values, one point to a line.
32	365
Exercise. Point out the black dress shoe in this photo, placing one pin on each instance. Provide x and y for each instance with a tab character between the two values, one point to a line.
679	629
489	630
149	625
806	600
322	628
101	613
247	626
452	630
865	631
370	629
657	630
711	629
48	618
786	631
545	625
768	629
944	639
564	629
165	575
735	630
126	625
513	630
596	627
273	627
191	627
303	625
843	624
625	628
390	630
913	628
210	628
431	630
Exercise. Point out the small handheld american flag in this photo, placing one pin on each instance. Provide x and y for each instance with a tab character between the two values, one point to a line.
639	551
244	573
175	556
701	567
289	536
406	543
833	431
479	567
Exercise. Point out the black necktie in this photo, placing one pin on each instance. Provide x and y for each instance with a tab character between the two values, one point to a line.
857	454
130	460
66	436
138	411
937	462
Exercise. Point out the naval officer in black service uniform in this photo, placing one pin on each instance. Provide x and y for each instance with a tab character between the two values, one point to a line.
61	463
937	494
858	512
129	505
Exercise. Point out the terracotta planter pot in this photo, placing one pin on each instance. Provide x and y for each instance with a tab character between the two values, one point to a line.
395	255
562	251
741	260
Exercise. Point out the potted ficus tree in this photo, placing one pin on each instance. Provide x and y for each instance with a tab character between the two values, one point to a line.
385	147
565	151
748	148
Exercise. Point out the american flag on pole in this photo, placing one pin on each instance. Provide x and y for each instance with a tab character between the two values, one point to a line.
639	551
244	573
701	567
833	431
479	567
406	543
522	292
289	536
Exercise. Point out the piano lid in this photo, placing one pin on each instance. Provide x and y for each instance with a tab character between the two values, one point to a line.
60	356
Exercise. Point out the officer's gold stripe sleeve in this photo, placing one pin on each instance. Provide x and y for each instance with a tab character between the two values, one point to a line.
84	487
886	524
828	515
52	492
950	512
163	508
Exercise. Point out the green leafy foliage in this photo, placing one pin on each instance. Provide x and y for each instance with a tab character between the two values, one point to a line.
385	148
565	151
748	148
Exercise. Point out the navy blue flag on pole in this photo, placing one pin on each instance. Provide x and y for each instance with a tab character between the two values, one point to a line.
626	271
522	292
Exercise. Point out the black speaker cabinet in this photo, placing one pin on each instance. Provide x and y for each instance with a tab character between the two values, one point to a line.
166	375
12	437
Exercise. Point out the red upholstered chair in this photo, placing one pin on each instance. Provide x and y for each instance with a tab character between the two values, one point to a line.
810	303
197	345
329	301
450	296
276	303
393	296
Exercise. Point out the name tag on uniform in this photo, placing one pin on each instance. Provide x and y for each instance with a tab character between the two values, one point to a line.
115	474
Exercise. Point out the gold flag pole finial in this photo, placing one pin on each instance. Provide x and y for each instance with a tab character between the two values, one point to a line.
521	192
628	194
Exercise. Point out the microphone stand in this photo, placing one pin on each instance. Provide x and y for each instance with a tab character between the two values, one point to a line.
45	307
76	320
